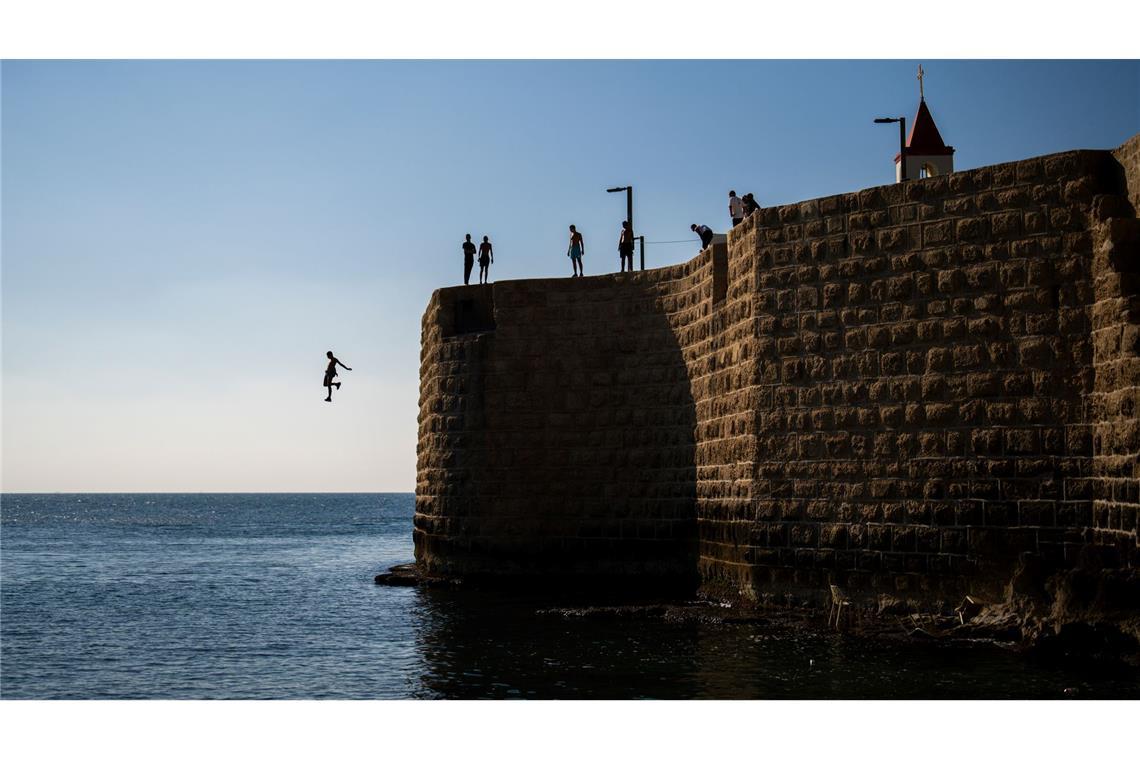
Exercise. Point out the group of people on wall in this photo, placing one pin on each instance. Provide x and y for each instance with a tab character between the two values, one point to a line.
739	209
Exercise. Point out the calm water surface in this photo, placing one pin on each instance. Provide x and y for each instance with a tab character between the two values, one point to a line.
270	596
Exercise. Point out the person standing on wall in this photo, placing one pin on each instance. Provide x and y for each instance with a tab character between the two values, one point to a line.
735	208
625	246
468	259
486	258
704	233
576	251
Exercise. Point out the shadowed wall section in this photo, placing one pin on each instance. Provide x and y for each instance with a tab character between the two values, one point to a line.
557	438
898	390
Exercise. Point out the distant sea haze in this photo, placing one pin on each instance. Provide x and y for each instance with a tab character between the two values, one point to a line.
270	596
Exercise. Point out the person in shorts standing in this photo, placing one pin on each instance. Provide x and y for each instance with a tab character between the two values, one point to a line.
576	251
486	258
625	246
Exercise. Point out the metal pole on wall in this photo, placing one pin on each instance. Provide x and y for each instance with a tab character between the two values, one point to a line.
629	209
902	146
641	238
902	142
629	214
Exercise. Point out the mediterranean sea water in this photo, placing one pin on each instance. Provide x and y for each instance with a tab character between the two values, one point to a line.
270	596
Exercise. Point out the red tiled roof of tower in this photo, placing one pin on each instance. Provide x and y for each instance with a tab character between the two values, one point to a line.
924	138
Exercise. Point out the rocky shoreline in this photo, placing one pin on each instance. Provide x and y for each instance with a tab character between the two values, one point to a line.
1080	613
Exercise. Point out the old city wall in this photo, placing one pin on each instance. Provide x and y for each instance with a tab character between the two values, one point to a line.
932	368
903	389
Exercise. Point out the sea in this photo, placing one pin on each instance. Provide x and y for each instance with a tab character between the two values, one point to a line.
271	596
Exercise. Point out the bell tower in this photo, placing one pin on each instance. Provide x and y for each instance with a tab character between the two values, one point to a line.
926	154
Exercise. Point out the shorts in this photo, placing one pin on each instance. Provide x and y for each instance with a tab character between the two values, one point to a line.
575	252
329	378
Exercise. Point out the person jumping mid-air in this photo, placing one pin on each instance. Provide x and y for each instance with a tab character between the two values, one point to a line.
576	251
330	373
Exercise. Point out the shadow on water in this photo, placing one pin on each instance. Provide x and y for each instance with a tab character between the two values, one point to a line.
481	644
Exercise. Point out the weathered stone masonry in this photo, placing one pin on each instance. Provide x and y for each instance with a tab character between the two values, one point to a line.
900	389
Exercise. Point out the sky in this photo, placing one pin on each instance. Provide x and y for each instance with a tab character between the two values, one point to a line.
181	242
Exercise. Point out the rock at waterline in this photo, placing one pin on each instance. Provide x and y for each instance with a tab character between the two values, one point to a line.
399	575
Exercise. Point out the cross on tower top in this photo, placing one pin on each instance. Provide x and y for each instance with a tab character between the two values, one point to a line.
921	74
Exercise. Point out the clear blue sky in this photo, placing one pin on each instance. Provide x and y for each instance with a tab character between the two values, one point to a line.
182	241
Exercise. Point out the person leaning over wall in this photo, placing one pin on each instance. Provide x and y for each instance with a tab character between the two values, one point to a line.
704	233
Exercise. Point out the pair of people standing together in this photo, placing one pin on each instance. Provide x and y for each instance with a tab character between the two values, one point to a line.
741	207
486	259
577	249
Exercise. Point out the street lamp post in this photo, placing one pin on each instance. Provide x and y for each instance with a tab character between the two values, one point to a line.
629	214
902	143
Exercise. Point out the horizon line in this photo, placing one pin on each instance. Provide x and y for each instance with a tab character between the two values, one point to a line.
194	493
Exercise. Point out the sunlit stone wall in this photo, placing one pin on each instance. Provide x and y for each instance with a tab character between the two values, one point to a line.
896	390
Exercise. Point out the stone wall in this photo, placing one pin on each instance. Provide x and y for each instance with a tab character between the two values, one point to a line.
1128	156
1115	397
901	389
927	354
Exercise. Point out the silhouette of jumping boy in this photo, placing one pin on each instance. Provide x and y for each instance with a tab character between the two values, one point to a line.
330	373
576	251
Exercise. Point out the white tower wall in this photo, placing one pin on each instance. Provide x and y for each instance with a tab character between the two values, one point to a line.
937	165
